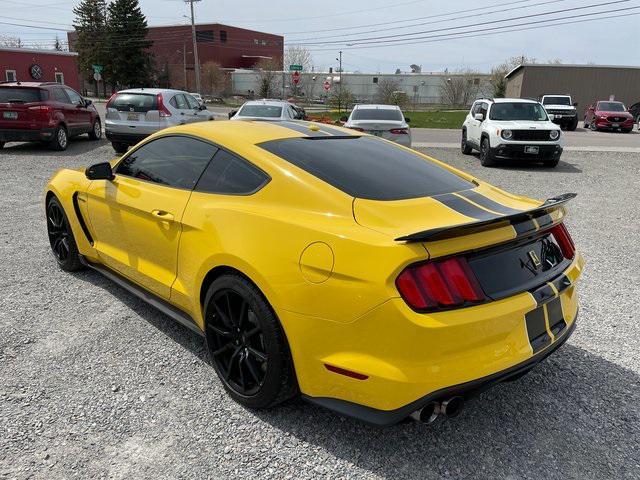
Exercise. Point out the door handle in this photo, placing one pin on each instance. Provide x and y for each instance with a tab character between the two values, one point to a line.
162	215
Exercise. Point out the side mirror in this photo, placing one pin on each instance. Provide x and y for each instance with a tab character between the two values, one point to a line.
100	171
406	119
575	104
344	119
551	116
203	107
232	113
479	117
87	102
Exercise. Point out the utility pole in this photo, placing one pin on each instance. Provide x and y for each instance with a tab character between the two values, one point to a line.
340	86
184	64
195	45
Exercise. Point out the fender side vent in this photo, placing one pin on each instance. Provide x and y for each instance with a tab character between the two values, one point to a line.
81	221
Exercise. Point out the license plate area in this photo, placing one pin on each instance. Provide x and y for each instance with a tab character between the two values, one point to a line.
507	270
377	133
532	149
615	125
134	117
10	115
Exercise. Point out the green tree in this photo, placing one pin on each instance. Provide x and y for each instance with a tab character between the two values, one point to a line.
91	44
130	62
57	45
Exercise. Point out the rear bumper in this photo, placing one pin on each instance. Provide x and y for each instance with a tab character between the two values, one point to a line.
517	151
19	135
126	138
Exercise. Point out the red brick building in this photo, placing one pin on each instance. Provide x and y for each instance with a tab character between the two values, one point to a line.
26	65
230	47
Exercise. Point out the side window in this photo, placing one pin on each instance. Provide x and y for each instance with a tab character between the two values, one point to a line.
192	102
173	161
228	174
180	102
75	98
475	108
60	96
483	109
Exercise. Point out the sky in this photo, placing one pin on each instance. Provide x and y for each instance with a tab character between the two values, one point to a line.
356	27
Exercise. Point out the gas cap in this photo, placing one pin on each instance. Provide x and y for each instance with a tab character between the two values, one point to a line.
316	262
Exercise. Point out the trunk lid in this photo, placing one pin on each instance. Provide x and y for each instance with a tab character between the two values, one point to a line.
22	108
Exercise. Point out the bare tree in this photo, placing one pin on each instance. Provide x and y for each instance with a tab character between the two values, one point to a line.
10	42
498	72
460	88
297	55
341	98
389	93
214	78
268	77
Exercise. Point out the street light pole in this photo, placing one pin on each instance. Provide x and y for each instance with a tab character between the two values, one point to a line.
195	45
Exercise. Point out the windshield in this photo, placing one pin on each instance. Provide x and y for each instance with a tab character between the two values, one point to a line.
377	114
20	95
611	107
367	167
556	101
265	111
518	111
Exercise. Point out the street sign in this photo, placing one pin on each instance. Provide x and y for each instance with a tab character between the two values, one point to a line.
97	77
326	85
97	68
295	68
295	77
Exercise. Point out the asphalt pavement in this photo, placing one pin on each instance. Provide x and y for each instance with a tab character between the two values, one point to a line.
97	384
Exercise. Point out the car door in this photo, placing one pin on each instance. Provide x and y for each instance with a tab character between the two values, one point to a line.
474	129
197	114
82	114
136	217
68	109
179	102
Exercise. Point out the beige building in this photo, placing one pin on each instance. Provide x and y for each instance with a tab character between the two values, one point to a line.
585	83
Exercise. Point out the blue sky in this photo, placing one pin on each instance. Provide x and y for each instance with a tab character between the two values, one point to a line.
609	41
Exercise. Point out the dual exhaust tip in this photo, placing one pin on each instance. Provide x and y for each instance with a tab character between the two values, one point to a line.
450	408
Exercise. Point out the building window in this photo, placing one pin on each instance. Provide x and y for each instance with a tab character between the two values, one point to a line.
264	43
256	41
223	36
204	36
60	77
375	79
11	75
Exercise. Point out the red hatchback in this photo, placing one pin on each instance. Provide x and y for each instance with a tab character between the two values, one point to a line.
45	112
608	115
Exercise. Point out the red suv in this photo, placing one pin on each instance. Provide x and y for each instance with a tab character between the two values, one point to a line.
608	115
45	112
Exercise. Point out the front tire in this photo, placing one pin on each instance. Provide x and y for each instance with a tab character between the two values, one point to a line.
247	345
120	147
486	157
96	130
60	140
573	125
551	163
61	239
464	145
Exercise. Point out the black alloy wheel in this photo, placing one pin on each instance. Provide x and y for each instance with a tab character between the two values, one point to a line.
486	158
237	343
63	245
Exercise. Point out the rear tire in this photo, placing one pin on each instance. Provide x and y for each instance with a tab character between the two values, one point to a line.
593	127
486	157
60	140
551	163
96	130
246	344
61	239
464	146
1	145
120	147
572	127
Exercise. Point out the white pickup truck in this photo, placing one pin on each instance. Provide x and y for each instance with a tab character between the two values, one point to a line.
563	110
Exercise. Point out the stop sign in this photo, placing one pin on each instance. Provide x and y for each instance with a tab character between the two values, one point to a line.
326	85
295	77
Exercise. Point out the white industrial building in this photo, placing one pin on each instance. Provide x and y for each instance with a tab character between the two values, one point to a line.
420	88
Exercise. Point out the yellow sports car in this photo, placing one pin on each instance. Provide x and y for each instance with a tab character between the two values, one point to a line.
369	278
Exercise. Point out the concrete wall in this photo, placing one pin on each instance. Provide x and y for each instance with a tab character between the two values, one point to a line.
585	83
424	88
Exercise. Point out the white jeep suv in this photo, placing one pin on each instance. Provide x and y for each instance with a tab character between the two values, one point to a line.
511	128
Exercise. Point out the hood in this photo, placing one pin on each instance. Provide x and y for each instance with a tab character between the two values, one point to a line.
614	114
526	125
559	107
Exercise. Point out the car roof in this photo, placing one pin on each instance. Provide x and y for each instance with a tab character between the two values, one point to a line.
28	84
376	106
514	100
151	91
265	101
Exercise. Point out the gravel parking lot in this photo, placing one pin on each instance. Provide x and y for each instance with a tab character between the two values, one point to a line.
96	384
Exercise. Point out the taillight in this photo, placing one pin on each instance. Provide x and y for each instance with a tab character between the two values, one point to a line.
439	285
111	98
565	242
164	111
399	131
41	108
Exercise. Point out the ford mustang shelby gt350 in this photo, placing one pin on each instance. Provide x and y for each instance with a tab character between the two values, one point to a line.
369	278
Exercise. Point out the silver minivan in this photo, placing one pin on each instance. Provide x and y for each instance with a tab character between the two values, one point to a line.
136	113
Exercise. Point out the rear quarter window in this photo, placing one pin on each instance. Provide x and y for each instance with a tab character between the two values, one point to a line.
366	167
21	95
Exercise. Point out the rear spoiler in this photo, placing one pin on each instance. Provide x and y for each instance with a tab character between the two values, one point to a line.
522	222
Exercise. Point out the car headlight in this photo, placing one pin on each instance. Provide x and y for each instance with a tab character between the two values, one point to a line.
507	134
554	134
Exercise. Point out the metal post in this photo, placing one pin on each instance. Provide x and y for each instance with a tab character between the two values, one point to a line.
195	46
184	64
340	87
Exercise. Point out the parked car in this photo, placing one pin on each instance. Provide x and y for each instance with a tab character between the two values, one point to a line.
634	110
511	128
134	114
563	110
608	115
267	110
385	121
198	97
45	112
367	277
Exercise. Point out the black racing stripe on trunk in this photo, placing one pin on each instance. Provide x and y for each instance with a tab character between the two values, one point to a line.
557	323
333	131
543	294
537	329
460	205
488	203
